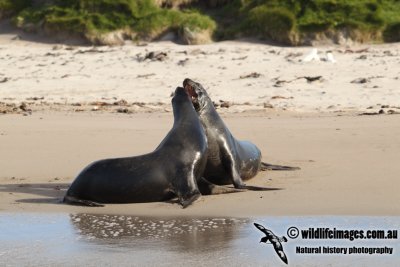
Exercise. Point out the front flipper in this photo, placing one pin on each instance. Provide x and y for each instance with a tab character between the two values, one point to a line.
229	162
187	201
271	167
207	188
239	184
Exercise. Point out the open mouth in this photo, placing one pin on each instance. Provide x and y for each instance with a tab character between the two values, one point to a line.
191	92
193	95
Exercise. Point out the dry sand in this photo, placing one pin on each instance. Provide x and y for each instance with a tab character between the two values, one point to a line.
349	163
247	75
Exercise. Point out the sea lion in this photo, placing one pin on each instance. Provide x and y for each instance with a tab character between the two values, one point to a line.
172	169
230	161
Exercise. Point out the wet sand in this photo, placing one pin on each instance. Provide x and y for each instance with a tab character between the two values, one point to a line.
349	164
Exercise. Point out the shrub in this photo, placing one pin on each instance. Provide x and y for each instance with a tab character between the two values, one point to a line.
272	23
278	20
11	7
392	33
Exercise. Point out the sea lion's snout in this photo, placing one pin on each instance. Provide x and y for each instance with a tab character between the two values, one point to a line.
189	86
187	81
180	90
191	91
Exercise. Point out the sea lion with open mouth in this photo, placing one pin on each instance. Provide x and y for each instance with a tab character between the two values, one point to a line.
229	160
173	169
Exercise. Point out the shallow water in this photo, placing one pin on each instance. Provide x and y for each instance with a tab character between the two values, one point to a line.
116	240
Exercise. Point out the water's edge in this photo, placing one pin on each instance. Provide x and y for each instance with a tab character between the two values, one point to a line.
101	240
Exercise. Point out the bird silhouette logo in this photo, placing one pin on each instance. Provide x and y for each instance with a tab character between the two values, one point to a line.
271	238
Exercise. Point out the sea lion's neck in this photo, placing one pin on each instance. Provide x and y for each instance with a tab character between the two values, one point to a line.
183	111
207	107
208	114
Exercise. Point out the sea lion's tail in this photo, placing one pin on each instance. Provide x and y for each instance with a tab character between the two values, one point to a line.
272	167
82	202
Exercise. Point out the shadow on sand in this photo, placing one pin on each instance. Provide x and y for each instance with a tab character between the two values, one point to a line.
51	193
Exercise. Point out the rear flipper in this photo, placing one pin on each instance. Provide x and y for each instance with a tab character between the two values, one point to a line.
257	188
207	188
82	202
271	167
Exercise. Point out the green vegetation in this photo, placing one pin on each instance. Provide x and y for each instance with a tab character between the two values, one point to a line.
273	23
12	7
392	32
93	18
284	21
294	21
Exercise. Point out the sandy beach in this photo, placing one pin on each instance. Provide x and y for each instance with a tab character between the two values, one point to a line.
66	106
63	107
348	163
